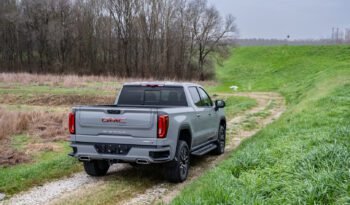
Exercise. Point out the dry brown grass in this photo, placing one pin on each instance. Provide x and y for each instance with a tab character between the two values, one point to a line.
43	124
31	149
11	157
57	100
48	127
54	80
71	80
12	123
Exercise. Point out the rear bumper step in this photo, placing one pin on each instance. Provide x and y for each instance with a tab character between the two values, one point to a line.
140	154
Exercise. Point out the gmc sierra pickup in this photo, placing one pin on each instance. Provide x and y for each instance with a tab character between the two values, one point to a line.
150	122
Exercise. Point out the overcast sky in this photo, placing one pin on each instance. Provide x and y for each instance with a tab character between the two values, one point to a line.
301	19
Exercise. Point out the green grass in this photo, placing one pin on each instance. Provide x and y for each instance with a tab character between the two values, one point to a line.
304	157
291	70
18	142
237	104
249	124
262	114
44	167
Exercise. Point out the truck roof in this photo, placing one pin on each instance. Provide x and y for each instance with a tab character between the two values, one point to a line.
163	83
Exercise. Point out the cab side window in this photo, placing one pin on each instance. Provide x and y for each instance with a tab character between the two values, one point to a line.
205	99
195	96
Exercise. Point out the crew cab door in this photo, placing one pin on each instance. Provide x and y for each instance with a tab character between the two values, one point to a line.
210	114
202	124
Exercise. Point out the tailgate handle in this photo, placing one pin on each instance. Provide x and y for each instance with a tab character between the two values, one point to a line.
113	111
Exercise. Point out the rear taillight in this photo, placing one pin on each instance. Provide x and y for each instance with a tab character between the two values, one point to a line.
163	124
71	123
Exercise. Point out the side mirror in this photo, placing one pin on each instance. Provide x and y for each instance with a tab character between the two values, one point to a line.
219	104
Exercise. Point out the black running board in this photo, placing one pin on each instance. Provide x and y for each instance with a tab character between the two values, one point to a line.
204	150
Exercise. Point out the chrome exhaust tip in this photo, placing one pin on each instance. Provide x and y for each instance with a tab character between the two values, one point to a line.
142	161
84	158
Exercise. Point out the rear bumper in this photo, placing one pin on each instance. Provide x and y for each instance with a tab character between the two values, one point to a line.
136	153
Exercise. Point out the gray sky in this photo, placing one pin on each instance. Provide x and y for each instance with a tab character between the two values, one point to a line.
301	19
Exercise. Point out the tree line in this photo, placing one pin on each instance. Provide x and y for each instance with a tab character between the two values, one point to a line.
129	38
341	36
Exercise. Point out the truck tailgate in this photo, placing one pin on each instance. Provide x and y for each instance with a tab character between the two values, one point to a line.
116	121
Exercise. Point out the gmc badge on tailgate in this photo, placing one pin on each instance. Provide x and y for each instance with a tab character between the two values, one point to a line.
113	120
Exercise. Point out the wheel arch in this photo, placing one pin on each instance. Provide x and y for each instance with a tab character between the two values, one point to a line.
185	134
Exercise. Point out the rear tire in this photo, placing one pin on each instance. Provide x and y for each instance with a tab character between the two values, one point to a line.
221	140
177	170
96	168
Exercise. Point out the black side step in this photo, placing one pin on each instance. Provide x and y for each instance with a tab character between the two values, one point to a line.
204	150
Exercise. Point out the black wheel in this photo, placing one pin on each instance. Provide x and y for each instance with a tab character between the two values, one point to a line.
177	170
96	168
221	141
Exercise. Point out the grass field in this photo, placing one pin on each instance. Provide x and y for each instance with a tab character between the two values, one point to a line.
303	158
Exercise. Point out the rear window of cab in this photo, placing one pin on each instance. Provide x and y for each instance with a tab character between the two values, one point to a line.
152	95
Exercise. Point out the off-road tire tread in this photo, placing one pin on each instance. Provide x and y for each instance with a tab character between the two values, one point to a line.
173	168
96	168
218	150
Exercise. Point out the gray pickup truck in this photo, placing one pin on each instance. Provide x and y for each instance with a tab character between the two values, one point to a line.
150	122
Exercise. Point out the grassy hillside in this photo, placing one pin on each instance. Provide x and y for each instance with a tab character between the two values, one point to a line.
291	70
305	156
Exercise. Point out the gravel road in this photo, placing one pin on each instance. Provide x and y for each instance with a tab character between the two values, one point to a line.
53	190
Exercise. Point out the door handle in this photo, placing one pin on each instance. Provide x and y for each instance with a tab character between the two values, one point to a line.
113	112
209	114
198	115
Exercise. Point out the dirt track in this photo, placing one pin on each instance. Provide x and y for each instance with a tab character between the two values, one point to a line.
61	191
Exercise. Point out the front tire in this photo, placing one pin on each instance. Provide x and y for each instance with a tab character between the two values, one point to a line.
96	168
177	171
221	140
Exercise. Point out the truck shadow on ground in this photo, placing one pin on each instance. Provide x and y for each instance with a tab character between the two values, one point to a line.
154	173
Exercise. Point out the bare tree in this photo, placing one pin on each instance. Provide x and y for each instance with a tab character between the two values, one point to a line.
209	32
